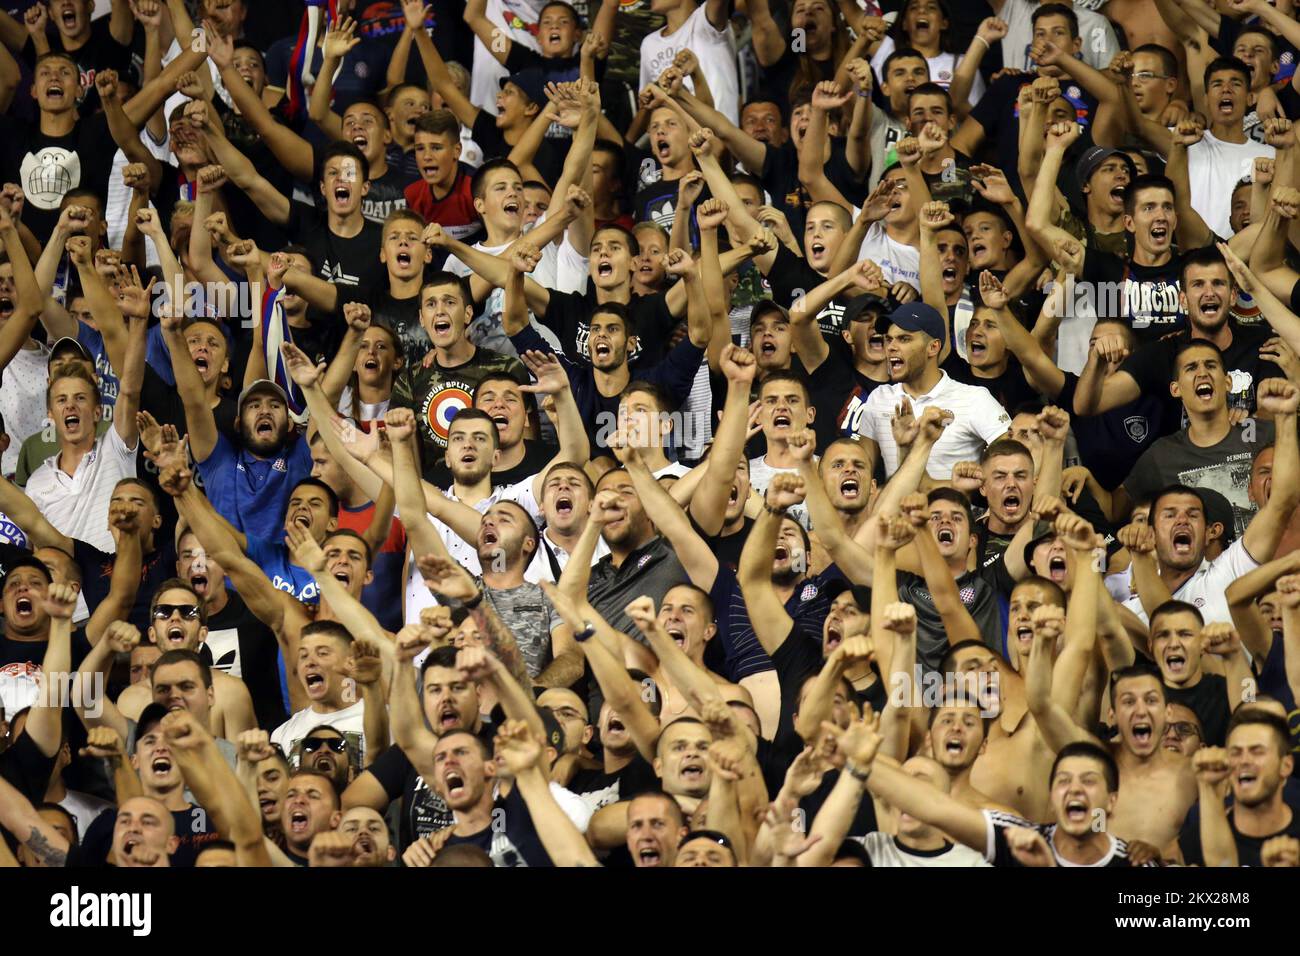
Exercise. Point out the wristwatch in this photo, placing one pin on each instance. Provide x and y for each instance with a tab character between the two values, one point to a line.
857	773
588	631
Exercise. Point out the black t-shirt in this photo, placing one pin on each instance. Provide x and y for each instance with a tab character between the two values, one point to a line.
194	828
402	316
864	820
26	769
549	158
830	385
18	657
978	595
48	166
727	548
780	177
598	788
776	80
790	277
345	262
239	644
422	811
1149	298
100	52
999	114
568	315
511	836
385	194
855	403
1208	697
1111	443
1010	388
1152	367
97	572
1248	847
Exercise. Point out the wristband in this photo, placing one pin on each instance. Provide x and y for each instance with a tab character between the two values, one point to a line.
857	773
588	631
473	602
982	40
773	511
864	93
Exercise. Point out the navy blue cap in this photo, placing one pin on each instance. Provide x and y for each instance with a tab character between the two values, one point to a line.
919	317
532	81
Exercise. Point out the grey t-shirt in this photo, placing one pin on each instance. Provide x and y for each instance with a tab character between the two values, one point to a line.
980	599
531	618
1224	467
650	570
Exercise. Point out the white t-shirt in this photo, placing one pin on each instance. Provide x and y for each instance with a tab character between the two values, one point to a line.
540	568
1207	586
716	50
1213	169
1099	42
77	505
898	261
942	69
885	850
350	722
22	400
760	476
516	19
978	419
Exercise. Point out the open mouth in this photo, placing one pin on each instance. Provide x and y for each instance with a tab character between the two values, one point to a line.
361	141
1176	662
850	489
1076	811
734	497
343	576
324	761
895	366
129	845
264	428
298	821
54	91
489	536
1056	568
469	458
767	348
977	249
303	520
510	207
364	844
1024	634
649	856
161	765
199	582
1117	195
782	553
554	38
1142	733
953	746
71	421
1011	503
678	635
404	258
1246	777
616	725
817	248
6	307
1159	232
1226	105
977	348
371	365
314	682
1204	391
946	536
24	606
1211	306
693	771
201	363
601	350
267	804
604	270
780	421
175	635
448	718
662	149
455	783
834	637
428	171
564	506
442	326
950	274
1182	541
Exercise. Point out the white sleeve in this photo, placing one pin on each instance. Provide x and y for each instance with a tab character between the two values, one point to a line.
571	268
990	419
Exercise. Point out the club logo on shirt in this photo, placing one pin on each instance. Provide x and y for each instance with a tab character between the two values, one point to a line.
663	214
1136	426
441	405
643	561
808	593
48	174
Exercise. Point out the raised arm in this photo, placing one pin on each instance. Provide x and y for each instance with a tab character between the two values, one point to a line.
1218	844
671	521
1282	399
708	506
520	747
338	43
772	623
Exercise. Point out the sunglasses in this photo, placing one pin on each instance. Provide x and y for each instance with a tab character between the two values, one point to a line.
162	612
312	744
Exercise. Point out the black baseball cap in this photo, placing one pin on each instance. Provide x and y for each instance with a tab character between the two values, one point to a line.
919	317
150	716
861	593
68	344
532	81
867	307
1093	158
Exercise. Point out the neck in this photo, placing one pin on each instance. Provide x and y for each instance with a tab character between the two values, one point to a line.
326	706
998	526
1105	222
70	454
374	394
605	208
1173	577
612	382
346	226
1228	131
352	497
924	381
1144	257
778	454
1220	337
458	353
1086	849
379	165
927	839
564	540
510	578
498	235
908	233
473	819
58	124
1209	428
620	293
676	169
400	288
616	762
876	371
1263	819
678	15
217	601
472	494
852	520
173	799
994	370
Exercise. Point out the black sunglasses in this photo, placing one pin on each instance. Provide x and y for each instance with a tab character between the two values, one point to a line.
312	744
162	612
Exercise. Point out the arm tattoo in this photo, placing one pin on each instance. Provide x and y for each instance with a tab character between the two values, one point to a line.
501	642
45	850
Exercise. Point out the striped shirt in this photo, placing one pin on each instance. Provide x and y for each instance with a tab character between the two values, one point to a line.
978	420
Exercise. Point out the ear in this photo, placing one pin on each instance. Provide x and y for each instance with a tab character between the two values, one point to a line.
335	819
365	187
370	576
391	855
203	634
173	842
587	733
479	206
1129	225
157	519
657	764
428	254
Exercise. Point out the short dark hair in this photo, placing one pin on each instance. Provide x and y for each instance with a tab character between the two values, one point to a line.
946	493
675	812
673	723
786	375
331	496
355	536
443	277
1133	672
311	772
1057	10
472	414
132	480
1204	256
349	151
1221	64
1257	28
1173	606
1175	489
619	311
946	662
903	53
1004	447
478	184
1086	748
181	656
1254	715
436	122
931	89
1147	181
1168	62
444	656
629	237
1190	344
329	629
1054	591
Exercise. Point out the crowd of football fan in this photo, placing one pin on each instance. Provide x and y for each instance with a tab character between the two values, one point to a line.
652	433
